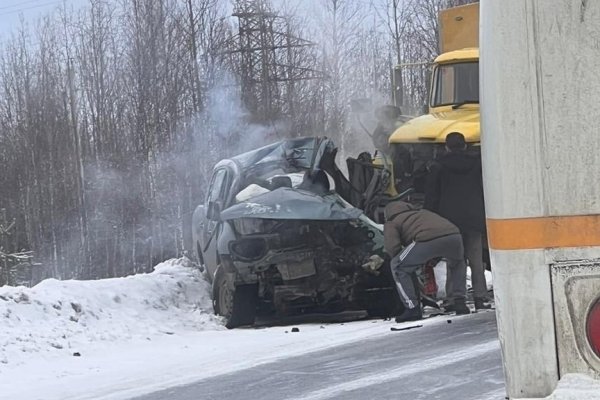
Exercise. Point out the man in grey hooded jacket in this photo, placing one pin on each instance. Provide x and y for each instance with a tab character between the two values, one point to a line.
412	237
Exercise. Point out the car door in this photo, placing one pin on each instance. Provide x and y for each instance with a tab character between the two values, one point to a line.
219	187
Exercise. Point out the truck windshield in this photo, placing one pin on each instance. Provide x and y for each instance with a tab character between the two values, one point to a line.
455	84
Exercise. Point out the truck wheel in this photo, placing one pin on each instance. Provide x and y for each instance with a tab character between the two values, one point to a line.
237	305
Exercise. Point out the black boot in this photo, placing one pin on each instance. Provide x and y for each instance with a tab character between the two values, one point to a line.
448	307
480	304
461	308
410	314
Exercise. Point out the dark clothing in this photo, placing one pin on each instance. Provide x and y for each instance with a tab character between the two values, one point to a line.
472	242
406	224
454	190
473	250
415	255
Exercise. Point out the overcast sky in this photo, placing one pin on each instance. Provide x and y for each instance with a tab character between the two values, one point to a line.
11	12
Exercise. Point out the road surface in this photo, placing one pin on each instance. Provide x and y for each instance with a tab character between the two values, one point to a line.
445	361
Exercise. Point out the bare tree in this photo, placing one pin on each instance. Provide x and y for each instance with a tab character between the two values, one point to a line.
112	117
339	25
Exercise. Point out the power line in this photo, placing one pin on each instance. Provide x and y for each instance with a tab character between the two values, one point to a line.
20	4
30	7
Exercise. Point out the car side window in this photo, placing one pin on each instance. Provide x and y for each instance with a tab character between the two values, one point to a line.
217	187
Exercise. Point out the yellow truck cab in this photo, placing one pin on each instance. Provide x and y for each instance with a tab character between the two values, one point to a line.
454	93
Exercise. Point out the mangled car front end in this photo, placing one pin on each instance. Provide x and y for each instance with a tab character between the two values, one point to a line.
276	247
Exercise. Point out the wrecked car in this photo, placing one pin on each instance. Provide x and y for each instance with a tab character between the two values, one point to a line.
277	235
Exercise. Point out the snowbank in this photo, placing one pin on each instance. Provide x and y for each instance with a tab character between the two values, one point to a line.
66	316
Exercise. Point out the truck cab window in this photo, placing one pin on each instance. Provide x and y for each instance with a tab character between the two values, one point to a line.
455	84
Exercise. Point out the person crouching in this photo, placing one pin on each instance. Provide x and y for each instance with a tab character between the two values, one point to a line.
414	236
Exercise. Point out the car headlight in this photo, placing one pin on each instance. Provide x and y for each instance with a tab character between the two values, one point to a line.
248	249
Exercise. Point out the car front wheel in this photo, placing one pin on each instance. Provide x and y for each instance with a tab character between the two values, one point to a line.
237	304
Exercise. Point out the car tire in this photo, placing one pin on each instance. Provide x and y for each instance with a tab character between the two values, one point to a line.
237	304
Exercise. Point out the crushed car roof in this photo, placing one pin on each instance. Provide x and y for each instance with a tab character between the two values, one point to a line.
291	154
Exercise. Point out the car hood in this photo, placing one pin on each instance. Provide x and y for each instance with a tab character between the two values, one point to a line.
291	204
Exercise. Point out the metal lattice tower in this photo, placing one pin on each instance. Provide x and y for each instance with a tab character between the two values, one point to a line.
266	59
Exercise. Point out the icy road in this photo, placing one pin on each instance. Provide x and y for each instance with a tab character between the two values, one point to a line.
439	360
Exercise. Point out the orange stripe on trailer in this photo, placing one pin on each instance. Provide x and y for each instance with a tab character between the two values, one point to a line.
544	232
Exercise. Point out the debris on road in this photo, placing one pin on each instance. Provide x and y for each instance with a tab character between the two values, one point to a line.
405	329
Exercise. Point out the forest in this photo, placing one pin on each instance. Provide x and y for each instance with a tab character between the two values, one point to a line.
112	115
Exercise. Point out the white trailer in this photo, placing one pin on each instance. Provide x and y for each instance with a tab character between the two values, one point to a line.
540	96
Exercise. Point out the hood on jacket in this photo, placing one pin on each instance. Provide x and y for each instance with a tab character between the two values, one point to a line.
460	162
397	207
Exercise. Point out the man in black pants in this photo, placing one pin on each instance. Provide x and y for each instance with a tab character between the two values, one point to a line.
455	191
412	237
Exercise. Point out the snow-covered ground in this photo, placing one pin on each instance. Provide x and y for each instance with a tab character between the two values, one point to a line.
575	387
63	317
118	338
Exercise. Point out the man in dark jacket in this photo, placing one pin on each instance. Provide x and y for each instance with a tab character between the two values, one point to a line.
412	237
455	191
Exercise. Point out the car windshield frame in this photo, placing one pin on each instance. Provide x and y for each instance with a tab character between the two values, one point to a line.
286	156
436	98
